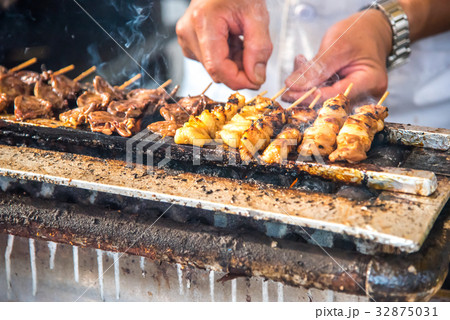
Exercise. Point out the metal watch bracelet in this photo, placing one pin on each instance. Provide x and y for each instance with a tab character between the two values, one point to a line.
400	31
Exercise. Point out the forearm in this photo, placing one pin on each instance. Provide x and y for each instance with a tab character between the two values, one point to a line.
426	17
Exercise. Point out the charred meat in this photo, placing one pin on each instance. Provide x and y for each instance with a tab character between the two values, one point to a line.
356	136
103	87
64	87
301	115
77	116
45	92
126	108
186	107
321	136
106	123
258	136
10	87
164	128
231	133
152	98
28	77
285	142
202	129
31	107
89	98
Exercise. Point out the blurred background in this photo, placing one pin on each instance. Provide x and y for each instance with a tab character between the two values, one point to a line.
60	33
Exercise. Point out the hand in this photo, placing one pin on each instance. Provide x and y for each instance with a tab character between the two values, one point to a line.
354	50
209	32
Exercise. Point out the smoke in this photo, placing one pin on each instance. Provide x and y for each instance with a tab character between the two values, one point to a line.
138	33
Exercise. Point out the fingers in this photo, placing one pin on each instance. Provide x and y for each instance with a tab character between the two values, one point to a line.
212	33
188	39
257	46
312	73
366	81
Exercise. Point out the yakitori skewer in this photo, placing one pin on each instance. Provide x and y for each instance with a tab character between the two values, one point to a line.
302	98
262	94
23	65
356	135
128	82
64	70
84	74
206	89
349	88
385	95
287	140
165	84
279	93
321	136
313	103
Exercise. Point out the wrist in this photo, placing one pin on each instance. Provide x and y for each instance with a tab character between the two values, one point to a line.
383	31
397	18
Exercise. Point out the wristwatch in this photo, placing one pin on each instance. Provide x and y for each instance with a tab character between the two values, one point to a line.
400	31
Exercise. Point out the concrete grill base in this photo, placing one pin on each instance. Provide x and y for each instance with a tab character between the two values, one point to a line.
250	254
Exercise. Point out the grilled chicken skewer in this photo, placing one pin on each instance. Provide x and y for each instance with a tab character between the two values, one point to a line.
258	136
232	131
321	136
202	129
177	114
288	139
23	65
84	74
358	131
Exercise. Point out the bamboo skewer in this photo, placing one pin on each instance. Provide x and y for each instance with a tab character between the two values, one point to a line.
279	93
383	98
64	70
206	89
128	82
349	88
24	65
259	95
313	103
302	98
165	84
85	73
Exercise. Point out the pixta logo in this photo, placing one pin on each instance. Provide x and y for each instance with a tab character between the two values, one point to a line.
144	145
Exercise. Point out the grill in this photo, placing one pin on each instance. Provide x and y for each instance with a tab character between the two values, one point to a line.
218	213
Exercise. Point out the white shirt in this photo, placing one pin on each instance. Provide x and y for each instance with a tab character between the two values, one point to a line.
419	90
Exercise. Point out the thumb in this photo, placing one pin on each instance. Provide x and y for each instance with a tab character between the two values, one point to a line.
257	48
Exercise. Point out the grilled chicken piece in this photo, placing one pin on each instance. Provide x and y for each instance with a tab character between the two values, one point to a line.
164	128
103	87
87	103
321	136
202	129
258	136
3	70
66	88
10	87
45	92
357	133
285	142
186	107
232	131
28	77
89	98
126	108
151	95
301	115
104	122
31	107
77	116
